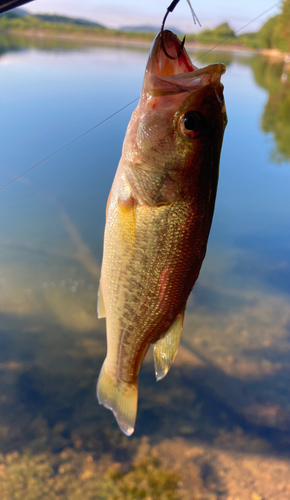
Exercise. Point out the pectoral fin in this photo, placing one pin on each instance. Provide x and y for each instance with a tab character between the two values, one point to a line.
127	220
101	305
166	348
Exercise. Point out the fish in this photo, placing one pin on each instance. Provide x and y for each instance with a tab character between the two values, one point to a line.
158	218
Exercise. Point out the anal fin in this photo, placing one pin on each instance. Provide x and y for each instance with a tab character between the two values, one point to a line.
101	305
166	348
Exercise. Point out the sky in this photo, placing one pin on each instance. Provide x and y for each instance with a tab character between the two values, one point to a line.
115	14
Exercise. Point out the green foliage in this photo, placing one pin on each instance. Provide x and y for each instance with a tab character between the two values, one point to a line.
266	33
270	35
285	24
42	23
59	25
53	18
224	33
224	30
216	35
275	33
250	40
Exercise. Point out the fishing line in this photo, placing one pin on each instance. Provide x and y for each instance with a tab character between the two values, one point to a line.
68	144
129	104
195	18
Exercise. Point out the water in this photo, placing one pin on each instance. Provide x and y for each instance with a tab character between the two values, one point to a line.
221	417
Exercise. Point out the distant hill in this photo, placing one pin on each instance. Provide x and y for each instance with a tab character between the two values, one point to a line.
20	12
14	13
51	18
148	29
54	18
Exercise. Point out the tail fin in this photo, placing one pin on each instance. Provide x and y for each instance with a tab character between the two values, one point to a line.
121	398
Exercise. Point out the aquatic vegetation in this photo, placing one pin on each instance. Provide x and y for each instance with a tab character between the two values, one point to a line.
147	479
28	477
77	476
48	477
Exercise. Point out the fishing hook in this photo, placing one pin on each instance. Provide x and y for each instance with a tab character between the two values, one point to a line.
171	9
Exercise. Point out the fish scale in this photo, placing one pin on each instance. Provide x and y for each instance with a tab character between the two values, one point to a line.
137	281
158	220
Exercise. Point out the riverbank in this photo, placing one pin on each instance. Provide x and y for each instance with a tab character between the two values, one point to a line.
119	40
275	54
140	42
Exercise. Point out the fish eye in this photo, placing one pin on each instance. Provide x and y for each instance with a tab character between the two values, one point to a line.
192	123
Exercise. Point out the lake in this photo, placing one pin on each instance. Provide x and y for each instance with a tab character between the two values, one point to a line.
218	425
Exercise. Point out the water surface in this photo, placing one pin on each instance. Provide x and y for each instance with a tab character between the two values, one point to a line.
227	397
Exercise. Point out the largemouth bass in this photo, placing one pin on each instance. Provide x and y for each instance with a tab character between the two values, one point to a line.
159	214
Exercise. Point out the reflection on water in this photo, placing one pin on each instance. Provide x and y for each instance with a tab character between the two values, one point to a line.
218	426
276	120
273	76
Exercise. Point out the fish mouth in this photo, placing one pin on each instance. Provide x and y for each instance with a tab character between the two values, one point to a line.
166	76
160	64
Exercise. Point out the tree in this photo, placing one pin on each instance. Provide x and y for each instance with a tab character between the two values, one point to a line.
285	24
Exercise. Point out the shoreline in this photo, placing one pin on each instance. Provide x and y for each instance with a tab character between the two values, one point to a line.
141	43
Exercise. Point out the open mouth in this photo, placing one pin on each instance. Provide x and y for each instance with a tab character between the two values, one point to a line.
160	64
176	74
